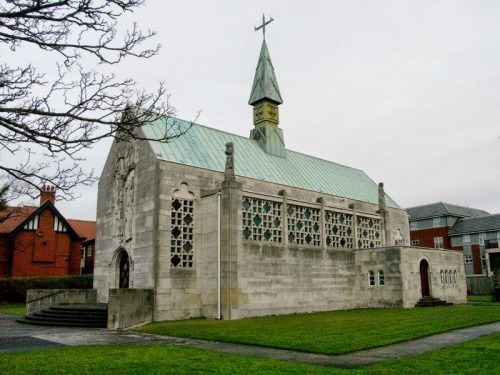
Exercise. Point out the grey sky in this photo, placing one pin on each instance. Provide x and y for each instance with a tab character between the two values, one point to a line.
408	91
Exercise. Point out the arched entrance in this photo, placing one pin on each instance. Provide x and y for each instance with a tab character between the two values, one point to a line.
424	278
124	270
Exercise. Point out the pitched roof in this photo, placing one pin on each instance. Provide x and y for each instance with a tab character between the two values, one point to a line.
204	147
443	209
476	225
84	229
16	216
265	84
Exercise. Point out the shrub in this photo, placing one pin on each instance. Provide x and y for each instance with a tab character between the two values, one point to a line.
13	290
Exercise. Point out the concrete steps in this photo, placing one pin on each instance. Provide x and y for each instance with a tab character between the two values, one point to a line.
431	302
75	315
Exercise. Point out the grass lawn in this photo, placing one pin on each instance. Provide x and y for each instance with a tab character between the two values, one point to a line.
482	298
476	357
12	308
332	332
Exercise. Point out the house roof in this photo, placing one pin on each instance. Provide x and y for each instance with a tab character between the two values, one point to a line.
19	215
265	84
84	229
443	209
476	225
15	217
204	147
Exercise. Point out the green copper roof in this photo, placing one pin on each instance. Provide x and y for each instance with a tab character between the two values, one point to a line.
265	85
204	147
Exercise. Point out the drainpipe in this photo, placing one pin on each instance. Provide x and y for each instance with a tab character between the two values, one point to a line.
218	258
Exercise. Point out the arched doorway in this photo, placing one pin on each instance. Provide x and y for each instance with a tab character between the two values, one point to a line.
124	270
424	278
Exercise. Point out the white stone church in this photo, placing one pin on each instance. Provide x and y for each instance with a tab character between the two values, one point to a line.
217	225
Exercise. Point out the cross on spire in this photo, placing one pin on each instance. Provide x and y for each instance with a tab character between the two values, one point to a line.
263	26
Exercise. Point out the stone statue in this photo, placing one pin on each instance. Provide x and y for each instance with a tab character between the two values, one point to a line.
229	170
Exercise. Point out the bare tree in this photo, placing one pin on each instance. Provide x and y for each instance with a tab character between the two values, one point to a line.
48	122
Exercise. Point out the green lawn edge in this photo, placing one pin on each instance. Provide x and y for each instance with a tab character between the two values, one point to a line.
475	357
332	333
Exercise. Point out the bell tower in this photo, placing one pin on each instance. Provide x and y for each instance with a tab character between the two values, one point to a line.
265	99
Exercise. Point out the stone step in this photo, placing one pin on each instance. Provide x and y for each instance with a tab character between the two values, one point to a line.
431	302
69	316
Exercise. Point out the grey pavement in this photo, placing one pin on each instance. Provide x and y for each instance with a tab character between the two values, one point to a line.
17	337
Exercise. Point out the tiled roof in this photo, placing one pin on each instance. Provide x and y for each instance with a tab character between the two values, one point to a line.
443	209
84	229
204	147
476	225
16	215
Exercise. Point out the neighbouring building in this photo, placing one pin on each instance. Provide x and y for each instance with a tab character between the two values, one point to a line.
430	223
219	225
39	241
473	232
478	238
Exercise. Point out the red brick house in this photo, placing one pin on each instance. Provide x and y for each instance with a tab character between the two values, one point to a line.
441	225
39	241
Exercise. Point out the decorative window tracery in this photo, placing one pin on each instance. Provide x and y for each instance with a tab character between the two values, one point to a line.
182	235
304	226
368	232
262	220
339	230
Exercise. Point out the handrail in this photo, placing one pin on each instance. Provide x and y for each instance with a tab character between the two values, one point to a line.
47	296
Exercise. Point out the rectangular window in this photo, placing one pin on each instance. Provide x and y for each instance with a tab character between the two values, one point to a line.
413	225
438	242
468	259
436	222
482	237
415	242
466	238
89	251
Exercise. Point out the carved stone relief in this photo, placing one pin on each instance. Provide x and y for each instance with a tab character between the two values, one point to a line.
123	192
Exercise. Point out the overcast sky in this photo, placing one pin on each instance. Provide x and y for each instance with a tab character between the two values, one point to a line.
408	91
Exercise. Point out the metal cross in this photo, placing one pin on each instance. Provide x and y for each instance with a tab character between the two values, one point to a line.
263	26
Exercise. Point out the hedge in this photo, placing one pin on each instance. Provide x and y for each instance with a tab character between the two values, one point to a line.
13	290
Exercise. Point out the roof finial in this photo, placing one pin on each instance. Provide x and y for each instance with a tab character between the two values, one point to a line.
263	26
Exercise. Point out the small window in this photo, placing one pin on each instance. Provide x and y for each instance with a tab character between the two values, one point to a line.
381	279
441	274
468	259
82	252
371	278
438	242
455	276
89	251
413	225
415	242
466	238
482	237
436	222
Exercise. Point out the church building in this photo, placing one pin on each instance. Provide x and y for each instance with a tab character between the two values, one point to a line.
218	225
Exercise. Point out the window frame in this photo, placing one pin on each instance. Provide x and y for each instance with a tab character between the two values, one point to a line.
371	278
438	241
381	278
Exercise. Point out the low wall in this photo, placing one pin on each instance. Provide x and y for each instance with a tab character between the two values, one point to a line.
477	285
38	299
129	307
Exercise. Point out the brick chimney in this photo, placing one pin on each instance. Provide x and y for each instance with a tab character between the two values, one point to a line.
48	194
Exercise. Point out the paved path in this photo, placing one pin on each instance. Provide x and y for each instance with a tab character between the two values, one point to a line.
17	337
